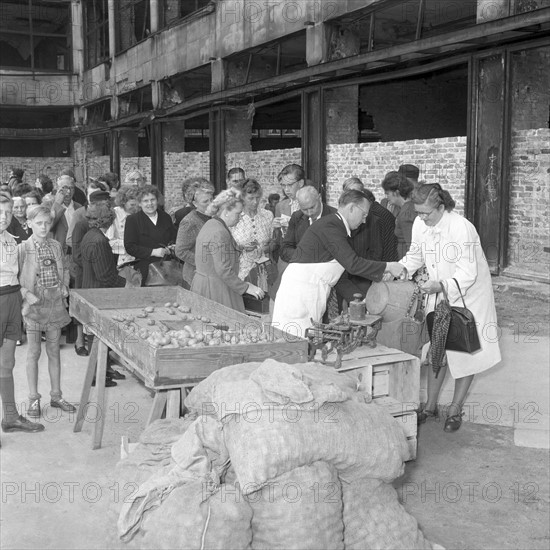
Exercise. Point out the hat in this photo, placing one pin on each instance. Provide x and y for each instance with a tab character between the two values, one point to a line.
409	171
97	196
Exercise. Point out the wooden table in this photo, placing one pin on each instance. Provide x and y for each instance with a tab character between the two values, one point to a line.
167	371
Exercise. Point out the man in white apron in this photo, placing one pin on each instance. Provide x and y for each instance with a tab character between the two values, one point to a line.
321	257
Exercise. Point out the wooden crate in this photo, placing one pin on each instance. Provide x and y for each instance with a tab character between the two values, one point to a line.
95	308
393	378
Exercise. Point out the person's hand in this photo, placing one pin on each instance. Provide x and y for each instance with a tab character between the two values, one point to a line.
431	287
276	223
248	247
59	197
395	270
31	298
255	291
160	252
64	291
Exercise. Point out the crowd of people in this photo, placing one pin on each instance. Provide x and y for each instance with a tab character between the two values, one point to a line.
302	253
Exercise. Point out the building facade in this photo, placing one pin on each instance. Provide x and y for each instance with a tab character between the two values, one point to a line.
343	87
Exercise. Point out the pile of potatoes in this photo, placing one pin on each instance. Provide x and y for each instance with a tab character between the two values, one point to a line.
160	336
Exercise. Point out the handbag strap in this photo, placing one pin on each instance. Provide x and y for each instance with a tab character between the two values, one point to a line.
459	290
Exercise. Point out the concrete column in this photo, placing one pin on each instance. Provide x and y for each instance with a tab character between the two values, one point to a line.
112	29
218	67
154	7
77	37
317	42
238	130
342	115
489	10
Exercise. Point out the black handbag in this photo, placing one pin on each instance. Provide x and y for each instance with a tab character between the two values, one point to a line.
462	335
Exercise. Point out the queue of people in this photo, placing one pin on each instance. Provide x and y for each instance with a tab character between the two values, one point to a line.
297	249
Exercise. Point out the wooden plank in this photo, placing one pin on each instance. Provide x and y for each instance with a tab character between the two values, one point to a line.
87	386
404	381
173	403
159	402
101	371
379	360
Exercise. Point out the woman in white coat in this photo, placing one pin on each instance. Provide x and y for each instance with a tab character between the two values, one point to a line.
449	246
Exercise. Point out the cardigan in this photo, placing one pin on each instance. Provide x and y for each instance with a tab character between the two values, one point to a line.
188	231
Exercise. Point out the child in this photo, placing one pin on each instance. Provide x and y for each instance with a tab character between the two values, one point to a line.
10	324
44	285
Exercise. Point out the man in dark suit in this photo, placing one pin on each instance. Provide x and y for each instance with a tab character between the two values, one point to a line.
64	208
321	257
311	209
373	240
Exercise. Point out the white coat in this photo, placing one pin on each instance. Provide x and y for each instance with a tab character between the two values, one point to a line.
452	249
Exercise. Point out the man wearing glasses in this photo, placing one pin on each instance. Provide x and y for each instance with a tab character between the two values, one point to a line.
322	255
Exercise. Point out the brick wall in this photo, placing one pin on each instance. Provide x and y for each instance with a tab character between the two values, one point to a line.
264	165
34	166
179	166
440	160
529	228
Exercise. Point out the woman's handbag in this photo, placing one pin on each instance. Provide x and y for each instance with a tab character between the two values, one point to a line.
462	335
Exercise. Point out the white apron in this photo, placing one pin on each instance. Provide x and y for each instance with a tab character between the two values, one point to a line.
303	295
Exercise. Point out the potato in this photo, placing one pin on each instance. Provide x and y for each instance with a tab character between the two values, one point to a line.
130	318
150	321
118	318
205	319
192	342
199	337
171	312
149	309
183	317
185	309
142	315
143	333
165	340
168	304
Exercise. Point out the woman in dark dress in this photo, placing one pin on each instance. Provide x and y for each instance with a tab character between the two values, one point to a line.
148	233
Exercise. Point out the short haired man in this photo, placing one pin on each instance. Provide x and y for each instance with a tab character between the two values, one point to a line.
311	209
321	257
235	177
64	209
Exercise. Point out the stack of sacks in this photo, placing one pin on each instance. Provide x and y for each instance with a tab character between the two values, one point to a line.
286	457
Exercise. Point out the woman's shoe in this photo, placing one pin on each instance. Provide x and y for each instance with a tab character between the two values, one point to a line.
453	423
114	374
81	350
424	414
62	404
34	408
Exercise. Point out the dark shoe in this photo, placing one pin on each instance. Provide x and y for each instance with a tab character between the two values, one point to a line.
453	423
109	382
21	424
115	375
81	350
424	414
63	405
34	408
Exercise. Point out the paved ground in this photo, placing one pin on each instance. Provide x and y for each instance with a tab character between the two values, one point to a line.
474	489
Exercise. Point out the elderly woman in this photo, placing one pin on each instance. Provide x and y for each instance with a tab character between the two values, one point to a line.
19	227
148	232
127	204
33	198
217	257
449	246
190	227
253	230
398	190
135	178
188	189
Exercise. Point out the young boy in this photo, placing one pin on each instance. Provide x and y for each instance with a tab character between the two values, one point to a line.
44	282
10	323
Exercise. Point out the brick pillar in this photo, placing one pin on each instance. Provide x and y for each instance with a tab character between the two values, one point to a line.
342	115
238	130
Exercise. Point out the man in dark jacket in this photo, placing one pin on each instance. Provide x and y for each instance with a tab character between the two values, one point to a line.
321	257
